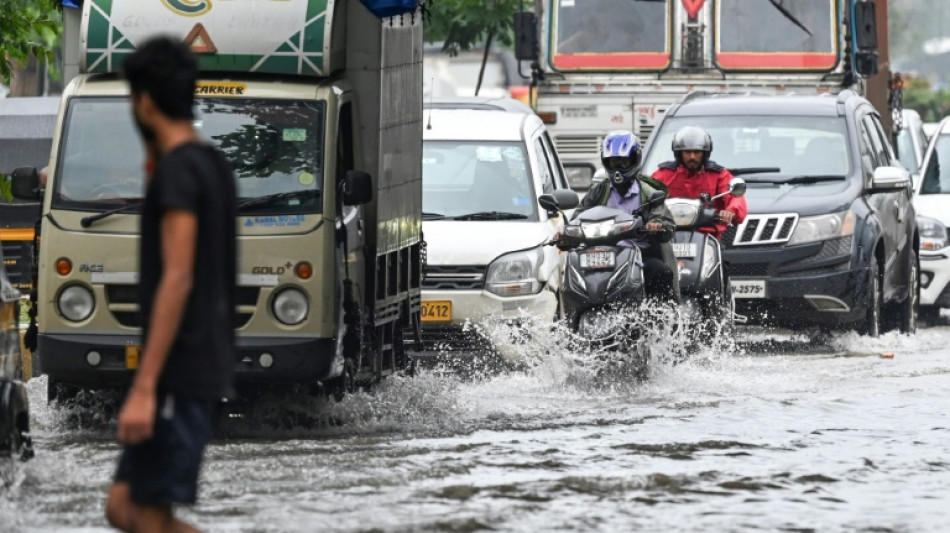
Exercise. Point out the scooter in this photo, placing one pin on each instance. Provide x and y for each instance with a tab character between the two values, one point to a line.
601	279
704	283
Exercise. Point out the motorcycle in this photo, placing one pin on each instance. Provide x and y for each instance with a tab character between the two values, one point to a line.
704	283
601	279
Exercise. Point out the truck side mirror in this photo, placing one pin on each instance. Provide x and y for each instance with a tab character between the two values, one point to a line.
357	188
526	36
25	183
865	39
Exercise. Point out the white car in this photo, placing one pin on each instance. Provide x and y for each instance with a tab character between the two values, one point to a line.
911	143
484	167
932	203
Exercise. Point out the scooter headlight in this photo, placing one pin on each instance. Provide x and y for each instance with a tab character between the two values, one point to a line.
684	213
290	306
76	303
594	230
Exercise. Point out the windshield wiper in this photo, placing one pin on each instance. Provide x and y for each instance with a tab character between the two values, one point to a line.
808	178
88	221
432	216
753	170
271	198
491	215
778	5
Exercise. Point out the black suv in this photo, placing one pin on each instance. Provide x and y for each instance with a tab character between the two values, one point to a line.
831	238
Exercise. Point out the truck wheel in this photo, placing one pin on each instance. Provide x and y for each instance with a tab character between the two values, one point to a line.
60	392
910	307
875	302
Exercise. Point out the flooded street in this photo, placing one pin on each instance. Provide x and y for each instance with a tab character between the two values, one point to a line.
763	436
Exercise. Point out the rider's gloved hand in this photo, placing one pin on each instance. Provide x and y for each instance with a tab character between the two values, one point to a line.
653	226
726	216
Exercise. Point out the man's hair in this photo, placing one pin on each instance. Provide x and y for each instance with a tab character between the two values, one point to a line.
167	71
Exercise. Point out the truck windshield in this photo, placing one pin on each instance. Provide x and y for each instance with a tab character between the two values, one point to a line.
610	34
796	145
274	146
776	34
490	180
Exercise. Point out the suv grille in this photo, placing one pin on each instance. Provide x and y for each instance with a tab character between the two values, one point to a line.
444	277
578	144
758	230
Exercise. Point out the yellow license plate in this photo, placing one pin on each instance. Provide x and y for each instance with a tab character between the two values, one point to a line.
132	356
437	311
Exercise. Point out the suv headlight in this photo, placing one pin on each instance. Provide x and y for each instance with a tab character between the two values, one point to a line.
515	274
76	303
290	306
823	227
933	234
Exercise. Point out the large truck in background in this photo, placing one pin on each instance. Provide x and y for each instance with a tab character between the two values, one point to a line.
318	106
599	65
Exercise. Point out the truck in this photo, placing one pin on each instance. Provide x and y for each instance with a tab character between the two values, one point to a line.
600	65
317	104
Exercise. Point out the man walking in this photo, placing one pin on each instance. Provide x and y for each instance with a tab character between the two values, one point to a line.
187	267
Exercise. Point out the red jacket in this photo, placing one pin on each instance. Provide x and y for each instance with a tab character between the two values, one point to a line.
712	179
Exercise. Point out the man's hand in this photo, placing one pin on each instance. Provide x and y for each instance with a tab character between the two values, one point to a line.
137	418
726	216
653	226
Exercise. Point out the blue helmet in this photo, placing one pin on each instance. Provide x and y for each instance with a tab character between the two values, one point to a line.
621	156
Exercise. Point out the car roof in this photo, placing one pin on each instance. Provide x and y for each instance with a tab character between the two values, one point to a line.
475	124
475	102
757	104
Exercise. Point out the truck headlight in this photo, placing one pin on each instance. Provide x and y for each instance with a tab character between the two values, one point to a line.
76	303
290	306
933	234
823	227
515	274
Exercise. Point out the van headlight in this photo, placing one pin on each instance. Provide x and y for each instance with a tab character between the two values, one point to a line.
290	306
933	234
515	274
76	303
823	227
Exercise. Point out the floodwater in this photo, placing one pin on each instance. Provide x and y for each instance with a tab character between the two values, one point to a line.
774	433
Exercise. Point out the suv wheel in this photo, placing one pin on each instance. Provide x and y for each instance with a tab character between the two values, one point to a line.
910	307
872	321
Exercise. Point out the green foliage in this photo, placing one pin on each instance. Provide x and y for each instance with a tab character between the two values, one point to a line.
6	189
464	24
931	105
27	28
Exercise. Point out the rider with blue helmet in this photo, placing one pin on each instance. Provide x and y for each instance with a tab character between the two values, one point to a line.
624	189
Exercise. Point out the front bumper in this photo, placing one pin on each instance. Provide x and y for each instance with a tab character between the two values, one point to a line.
295	360
815	284
935	278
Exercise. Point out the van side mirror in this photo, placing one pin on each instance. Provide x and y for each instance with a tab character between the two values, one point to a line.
526	36
357	188
25	183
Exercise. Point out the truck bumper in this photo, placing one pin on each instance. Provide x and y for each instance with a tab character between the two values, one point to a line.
835	299
64	358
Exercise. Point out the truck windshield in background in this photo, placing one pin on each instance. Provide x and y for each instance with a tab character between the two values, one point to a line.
610	35
274	146
776	35
798	146
462	178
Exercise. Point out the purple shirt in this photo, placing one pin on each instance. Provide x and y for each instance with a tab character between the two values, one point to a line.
628	203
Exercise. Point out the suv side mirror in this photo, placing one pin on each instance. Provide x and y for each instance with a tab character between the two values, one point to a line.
890	179
526	36
25	183
357	188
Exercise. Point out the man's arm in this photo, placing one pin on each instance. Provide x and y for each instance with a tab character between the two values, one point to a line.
179	229
735	204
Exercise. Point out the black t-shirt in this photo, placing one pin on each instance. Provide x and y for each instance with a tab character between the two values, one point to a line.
195	177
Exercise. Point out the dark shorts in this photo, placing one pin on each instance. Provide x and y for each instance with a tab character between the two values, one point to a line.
164	469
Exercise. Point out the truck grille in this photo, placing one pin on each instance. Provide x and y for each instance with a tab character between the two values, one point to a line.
447	277
18	260
758	230
123	303
578	144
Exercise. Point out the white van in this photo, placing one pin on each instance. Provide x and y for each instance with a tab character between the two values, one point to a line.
485	163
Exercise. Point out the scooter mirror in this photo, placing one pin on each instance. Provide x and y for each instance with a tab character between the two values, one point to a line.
566	198
549	203
737	187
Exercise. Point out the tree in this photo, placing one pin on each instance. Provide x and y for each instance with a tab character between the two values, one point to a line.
28	28
464	24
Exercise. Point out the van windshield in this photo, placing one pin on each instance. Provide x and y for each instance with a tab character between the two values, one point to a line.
796	145
274	146
464	178
936	179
